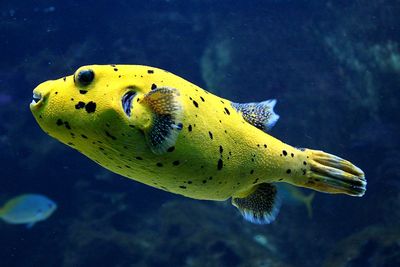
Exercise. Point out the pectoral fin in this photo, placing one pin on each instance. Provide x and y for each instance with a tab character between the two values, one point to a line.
260	205
260	115
167	112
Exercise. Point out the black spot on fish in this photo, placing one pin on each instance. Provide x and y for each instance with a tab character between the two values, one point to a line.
159	164
59	122
255	181
111	136
304	163
252	171
304	172
204	181
175	163
172	148
288	171
221	149
150	71
132	126
115	69
83	92
190	182
90	107
182	186
65	78
227	111
210	178
128	166
80	105
195	104
71	144
190	128
291	154
202	99
139	158
220	164
211	135
55	93
265	145
84	136
67	125
153	86
284	153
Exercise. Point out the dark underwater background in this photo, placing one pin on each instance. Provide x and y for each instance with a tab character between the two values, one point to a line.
334	67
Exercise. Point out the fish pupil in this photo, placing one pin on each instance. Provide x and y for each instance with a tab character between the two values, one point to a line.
85	77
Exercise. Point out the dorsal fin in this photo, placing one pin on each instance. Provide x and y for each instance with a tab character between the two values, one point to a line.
260	115
260	205
167	118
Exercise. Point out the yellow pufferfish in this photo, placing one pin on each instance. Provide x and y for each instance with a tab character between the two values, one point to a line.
155	127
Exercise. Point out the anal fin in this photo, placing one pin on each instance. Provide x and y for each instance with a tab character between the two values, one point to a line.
260	206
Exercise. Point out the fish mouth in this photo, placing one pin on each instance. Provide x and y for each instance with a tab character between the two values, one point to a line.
36	99
127	102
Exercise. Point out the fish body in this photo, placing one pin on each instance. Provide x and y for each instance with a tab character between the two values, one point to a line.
27	209
155	127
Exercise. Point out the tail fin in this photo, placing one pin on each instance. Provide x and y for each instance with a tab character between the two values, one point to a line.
308	201
331	174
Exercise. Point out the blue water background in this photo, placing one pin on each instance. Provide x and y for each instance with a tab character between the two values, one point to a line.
334	67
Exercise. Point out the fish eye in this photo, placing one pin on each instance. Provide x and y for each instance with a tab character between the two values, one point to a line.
85	77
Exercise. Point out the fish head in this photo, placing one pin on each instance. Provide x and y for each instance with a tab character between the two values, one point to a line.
93	109
45	209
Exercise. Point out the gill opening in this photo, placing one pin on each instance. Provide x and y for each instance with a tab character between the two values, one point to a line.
127	102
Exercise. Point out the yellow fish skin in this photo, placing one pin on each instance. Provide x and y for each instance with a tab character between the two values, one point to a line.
154	127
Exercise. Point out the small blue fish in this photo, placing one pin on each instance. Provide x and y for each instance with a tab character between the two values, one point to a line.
27	209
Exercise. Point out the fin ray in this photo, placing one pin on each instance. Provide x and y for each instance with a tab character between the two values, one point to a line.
332	174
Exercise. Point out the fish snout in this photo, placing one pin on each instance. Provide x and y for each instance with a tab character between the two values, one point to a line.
40	95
